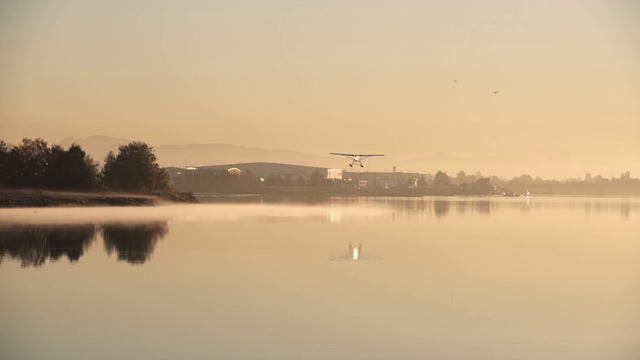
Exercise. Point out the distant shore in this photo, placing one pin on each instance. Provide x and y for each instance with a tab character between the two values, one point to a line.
12	198
302	192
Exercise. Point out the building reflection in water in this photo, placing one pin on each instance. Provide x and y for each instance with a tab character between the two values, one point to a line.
35	245
134	243
335	216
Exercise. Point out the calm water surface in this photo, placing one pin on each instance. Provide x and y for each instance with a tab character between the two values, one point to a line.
369	278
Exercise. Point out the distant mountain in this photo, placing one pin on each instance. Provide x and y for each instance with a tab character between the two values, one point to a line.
212	154
201	154
216	154
97	146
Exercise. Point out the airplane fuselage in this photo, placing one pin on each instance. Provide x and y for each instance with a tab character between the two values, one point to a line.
356	160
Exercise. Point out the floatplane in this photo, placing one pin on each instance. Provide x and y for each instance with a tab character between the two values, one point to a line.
356	159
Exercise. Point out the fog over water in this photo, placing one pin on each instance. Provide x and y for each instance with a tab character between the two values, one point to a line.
180	213
229	208
341	278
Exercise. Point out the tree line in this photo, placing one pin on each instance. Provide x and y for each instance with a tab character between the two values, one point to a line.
35	164
589	185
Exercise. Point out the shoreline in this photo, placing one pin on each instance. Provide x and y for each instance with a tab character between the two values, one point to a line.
34	198
22	198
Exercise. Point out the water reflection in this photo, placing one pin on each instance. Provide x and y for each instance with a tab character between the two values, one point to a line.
134	243
34	238
355	254
461	278
440	207
34	245
37	244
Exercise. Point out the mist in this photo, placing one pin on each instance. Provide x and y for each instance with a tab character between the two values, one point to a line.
180	213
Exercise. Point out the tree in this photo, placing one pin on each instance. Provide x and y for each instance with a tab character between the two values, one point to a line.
108	173
481	187
315	179
600	180
248	178
134	168
70	169
526	179
287	180
625	176
588	178
162	178
441	180
4	156
273	180
34	164
26	164
422	182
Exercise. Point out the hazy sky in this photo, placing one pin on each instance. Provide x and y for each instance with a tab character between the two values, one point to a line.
406	78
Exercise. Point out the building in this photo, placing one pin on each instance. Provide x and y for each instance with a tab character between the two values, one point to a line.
264	169
373	180
334	174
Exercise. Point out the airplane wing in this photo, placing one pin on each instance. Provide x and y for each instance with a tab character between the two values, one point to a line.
341	154
369	155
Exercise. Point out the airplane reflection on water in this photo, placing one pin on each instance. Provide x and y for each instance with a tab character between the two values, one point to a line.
355	254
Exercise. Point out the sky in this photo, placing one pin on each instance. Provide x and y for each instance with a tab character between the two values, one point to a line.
414	80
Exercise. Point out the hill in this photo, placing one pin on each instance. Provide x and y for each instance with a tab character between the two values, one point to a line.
200	154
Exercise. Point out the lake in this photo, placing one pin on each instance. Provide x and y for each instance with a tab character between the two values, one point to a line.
342	278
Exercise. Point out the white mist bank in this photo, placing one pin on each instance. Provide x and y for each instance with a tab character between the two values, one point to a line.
180	213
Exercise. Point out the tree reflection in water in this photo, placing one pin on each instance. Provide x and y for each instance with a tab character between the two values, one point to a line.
441	208
134	243
34	245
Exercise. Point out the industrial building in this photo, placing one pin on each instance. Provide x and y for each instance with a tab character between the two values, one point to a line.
374	180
